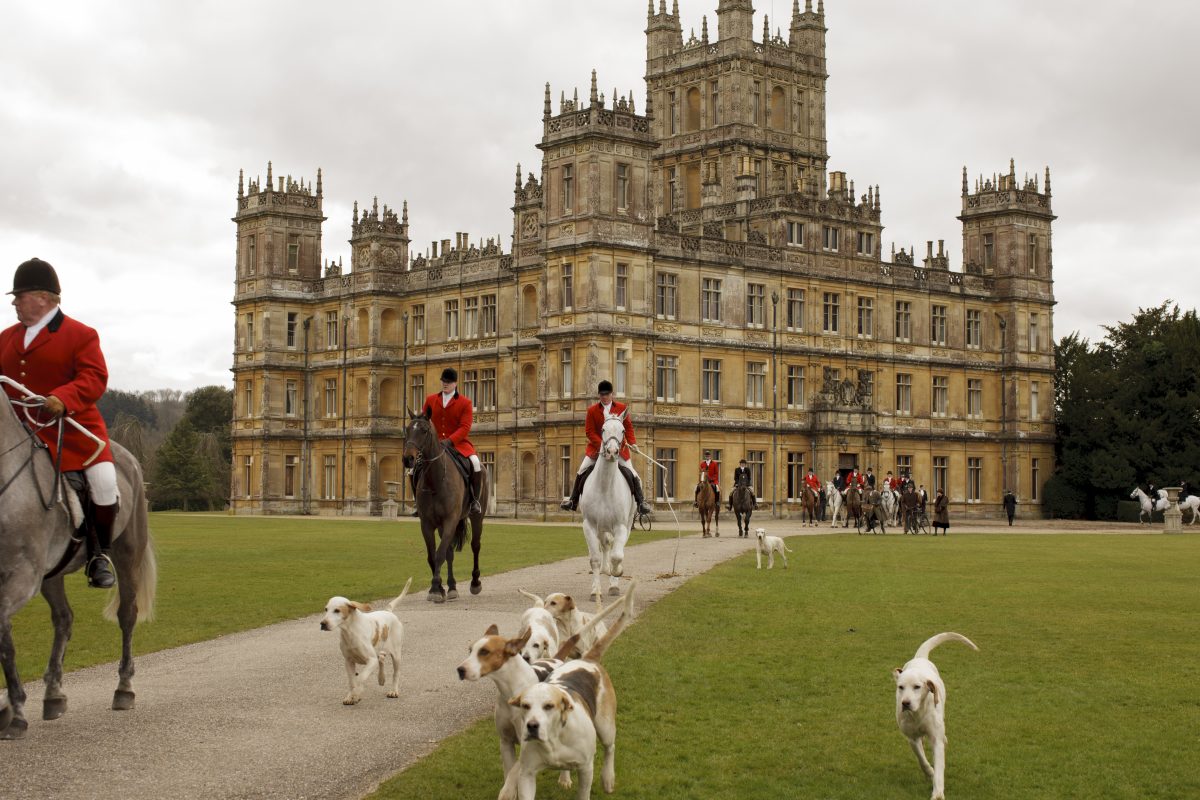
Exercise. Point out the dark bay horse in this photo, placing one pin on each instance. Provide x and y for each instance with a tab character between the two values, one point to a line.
853	504
35	536
808	503
743	507
443	504
709	505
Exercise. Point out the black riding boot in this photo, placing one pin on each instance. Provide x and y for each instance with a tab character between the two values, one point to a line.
573	503
476	491
696	497
99	570
635	486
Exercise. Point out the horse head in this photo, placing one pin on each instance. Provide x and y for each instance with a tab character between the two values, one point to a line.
420	440
612	436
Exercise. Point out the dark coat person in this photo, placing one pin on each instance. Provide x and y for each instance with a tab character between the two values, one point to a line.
941	513
1010	506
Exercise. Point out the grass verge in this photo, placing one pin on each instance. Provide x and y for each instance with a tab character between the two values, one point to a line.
777	684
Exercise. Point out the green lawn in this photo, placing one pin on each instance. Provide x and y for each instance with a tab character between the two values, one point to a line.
747	684
220	574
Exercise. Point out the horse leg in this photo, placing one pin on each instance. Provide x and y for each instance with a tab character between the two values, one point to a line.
127	614
616	558
595	557
451	584
435	565
55	703
476	541
12	710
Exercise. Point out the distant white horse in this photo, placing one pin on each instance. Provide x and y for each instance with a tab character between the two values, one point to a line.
890	502
1191	502
837	503
607	506
1160	502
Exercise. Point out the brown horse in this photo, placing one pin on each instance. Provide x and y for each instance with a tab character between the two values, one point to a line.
742	501
710	506
443	504
808	502
853	504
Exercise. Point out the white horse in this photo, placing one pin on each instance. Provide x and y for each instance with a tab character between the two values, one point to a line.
607	506
1160	502
1191	502
889	501
837	504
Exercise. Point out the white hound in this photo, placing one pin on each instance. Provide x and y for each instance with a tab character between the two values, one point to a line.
367	638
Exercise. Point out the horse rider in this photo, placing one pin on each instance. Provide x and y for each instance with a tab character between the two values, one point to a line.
922	498
60	358
713	469
451	414
855	478
870	477
813	482
1152	493
741	476
891	481
592	425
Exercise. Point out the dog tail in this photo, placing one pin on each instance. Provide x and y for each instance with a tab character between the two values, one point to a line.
392	605
597	652
537	601
933	641
570	645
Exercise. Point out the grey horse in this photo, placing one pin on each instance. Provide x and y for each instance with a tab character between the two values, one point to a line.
35	533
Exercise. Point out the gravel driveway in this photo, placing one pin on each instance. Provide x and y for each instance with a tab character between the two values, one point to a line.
259	714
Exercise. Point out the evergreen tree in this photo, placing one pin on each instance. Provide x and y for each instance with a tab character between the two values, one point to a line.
182	476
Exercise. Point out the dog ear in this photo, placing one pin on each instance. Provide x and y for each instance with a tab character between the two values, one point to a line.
492	631
359	606
896	673
565	708
514	647
931	687
568	603
515	701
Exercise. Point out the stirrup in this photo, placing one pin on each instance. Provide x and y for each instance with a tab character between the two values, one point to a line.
99	572
644	509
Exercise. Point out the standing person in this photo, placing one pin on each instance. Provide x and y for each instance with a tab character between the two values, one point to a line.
822	502
922	498
60	358
713	470
742	475
452	414
909	502
592	425
941	513
1010	506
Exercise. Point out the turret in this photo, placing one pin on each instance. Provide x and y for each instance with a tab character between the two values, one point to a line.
279	227
735	19
1007	226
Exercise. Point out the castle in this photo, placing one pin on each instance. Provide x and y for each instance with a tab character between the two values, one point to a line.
699	256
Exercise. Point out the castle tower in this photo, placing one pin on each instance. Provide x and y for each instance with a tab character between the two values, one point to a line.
1007	226
379	240
733	108
278	228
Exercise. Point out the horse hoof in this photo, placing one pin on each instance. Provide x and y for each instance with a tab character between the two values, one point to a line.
122	700
452	594
437	597
476	587
54	707
6	716
15	730
614	591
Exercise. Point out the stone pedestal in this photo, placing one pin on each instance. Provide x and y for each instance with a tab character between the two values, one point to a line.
1173	517
391	509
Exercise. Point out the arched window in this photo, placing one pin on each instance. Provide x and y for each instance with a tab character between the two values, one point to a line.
779	117
691	111
389	328
362	331
529	306
389	398
528	476
529	385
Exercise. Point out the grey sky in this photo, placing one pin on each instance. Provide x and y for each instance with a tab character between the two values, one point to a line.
125	124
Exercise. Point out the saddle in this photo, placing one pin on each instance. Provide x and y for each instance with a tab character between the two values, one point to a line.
78	502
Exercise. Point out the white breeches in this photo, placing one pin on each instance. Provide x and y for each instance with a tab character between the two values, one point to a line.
589	461
102	483
475	465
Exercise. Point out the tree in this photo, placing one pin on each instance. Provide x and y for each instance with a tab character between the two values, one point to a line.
182	478
1127	408
115	403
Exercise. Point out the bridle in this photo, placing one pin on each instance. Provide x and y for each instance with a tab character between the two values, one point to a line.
612	437
47	499
420	458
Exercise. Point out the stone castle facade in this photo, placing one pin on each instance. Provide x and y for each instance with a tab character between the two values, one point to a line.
697	254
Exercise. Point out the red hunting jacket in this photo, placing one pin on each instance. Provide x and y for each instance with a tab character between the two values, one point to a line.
594	423
813	481
452	422
65	361
713	468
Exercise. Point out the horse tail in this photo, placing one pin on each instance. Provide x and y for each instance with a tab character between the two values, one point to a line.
460	535
145	575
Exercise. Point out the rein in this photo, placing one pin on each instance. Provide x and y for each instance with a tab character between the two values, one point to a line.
47	500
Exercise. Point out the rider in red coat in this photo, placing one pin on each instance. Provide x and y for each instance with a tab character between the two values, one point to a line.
60	358
812	481
592	424
451	415
713	470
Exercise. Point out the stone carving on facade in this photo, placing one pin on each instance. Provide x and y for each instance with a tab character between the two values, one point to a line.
592	371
